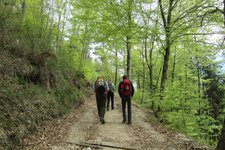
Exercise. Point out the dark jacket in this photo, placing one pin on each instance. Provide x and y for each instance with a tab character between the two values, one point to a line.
95	87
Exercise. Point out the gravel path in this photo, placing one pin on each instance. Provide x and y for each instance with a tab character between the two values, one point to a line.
81	129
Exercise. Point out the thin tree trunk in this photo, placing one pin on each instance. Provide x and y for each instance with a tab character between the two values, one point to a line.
49	27
149	62
143	82
199	85
221	143
58	29
42	43
138	81
224	12
63	28
164	70
85	43
58	32
128	44
158	77
128	38
116	71
23	7
151	67
167	28
174	66
124	63
186	83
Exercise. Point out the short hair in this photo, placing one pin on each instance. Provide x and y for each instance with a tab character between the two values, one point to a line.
100	77
124	77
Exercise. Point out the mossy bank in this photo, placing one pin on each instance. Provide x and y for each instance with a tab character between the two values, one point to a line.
34	88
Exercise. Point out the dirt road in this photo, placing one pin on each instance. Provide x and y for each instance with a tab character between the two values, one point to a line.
81	129
87	130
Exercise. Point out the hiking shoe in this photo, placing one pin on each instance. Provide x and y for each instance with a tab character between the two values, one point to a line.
129	123
102	120
124	121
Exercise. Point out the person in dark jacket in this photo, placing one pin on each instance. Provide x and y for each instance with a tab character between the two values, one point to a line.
101	88
126	92
110	95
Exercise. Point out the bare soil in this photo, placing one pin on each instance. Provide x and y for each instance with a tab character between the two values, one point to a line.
81	129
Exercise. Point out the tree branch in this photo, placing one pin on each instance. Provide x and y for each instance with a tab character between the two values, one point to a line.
188	11
210	33
162	13
210	12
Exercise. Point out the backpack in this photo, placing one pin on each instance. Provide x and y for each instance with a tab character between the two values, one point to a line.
111	89
100	86
126	87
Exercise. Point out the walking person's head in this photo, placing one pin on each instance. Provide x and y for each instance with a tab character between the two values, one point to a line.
100	77
124	77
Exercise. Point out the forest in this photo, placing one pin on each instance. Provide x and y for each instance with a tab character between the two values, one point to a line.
172	50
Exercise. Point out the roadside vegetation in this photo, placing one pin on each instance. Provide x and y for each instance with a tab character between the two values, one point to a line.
51	51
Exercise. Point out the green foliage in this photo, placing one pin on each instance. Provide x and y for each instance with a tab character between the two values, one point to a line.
143	98
67	95
74	31
25	102
90	71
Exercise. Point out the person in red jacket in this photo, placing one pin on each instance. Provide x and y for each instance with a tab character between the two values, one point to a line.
126	92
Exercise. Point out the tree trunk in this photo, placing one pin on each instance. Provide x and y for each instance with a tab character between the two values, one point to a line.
224	12
143	82
167	28
221	143
151	68
116	71
128	37
63	28
149	62
174	66
164	71
128	44
23	7
124	63
199	86
58	29
50	24
158	77
138	80
41	32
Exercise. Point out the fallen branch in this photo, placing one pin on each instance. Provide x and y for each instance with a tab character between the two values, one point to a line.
94	145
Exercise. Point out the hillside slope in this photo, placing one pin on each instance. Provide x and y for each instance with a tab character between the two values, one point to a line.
33	90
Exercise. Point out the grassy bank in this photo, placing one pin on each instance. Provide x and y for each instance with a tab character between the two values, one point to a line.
31	93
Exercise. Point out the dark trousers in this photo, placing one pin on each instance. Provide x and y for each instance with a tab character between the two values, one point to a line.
101	102
110	97
126	101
